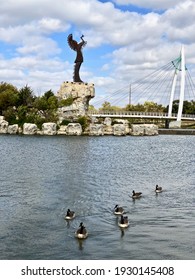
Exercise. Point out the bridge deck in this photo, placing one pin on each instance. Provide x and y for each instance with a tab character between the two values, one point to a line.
145	115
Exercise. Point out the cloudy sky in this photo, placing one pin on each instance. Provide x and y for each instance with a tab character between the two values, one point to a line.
126	39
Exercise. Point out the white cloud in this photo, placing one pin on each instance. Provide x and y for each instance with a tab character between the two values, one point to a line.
150	4
179	22
133	43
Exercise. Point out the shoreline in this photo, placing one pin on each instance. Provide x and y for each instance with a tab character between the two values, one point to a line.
176	131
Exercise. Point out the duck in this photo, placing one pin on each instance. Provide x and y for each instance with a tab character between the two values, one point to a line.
118	210
69	215
81	232
136	194
123	222
158	189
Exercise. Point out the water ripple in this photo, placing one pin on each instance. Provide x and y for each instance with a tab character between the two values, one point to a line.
41	177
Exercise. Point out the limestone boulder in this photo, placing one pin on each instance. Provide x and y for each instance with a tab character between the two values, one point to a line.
108	129
144	129
108	121
49	128
62	130
12	129
3	126
151	129
137	129
126	124
119	129
94	119
29	128
96	129
74	129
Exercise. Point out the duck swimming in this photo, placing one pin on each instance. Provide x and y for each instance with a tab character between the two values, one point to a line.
118	210
123	222
158	189
136	194
69	215
81	232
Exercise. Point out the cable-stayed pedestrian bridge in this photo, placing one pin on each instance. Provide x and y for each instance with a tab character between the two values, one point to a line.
169	86
141	115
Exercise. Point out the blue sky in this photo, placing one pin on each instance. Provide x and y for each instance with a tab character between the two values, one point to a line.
126	39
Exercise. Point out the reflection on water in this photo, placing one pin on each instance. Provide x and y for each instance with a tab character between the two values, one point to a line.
41	177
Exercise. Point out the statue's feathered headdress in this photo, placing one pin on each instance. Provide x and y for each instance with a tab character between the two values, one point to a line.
73	44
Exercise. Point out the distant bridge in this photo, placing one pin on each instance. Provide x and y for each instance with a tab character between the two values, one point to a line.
162	84
141	115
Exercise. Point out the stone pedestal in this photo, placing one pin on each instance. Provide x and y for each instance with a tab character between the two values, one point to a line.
81	93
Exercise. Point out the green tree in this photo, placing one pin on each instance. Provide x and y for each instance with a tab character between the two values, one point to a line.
10	115
25	96
21	114
83	122
106	106
66	102
41	103
91	108
48	94
52	102
8	96
151	106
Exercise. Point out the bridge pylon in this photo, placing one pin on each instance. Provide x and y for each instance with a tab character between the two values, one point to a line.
179	65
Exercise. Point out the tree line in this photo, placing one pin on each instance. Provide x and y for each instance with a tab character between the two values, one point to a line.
22	105
149	106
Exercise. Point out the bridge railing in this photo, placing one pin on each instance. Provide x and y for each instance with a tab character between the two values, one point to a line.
131	113
97	112
135	113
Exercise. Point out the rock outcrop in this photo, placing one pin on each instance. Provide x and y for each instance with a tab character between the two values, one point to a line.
80	93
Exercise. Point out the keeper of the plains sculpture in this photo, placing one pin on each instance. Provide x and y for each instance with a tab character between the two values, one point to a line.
79	57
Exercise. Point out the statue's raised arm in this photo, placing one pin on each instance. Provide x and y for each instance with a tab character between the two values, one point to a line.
79	57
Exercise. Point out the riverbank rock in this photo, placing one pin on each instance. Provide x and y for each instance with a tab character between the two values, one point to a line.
29	129
125	123
96	129
151	129
108	130
81	94
62	130
119	130
74	129
144	129
3	126
108	121
12	129
49	128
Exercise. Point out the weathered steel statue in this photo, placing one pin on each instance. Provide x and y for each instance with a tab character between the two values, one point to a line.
79	58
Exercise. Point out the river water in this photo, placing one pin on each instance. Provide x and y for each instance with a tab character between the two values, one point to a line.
41	177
